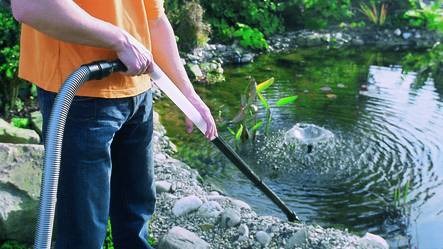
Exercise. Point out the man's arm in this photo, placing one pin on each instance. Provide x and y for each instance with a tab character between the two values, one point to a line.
165	52
65	20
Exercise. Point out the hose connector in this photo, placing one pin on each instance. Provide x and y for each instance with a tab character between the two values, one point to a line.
101	69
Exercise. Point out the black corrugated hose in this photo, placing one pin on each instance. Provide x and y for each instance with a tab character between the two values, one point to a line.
53	144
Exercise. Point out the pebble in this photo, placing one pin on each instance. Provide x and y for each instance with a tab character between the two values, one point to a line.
364	87
239	204
163	186
243	231
374	241
406	35
298	239
397	32
326	89
180	238
263	238
186	205
210	209
230	218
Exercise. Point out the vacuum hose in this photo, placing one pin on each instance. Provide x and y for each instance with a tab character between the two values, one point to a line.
53	143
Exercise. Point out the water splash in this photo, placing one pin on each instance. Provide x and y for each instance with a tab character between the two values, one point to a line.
309	134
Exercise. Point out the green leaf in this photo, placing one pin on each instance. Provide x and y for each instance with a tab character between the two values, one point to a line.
20	122
263	100
239	132
286	100
257	126
265	84
231	131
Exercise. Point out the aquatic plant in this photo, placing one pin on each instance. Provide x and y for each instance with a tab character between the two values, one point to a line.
401	194
372	13
247	119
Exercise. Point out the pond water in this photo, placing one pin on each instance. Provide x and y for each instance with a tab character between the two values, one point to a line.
382	169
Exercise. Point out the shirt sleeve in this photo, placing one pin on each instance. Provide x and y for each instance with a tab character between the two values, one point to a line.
154	8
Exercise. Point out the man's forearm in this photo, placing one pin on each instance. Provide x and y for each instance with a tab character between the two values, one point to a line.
165	52
66	21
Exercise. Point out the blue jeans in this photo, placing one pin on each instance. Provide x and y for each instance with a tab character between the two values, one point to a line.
107	170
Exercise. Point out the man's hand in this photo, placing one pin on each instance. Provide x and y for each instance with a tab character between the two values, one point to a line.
136	57
211	128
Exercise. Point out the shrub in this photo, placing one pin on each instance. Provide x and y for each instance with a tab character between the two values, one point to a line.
425	15
191	29
250	37
223	15
13	245
9	56
315	13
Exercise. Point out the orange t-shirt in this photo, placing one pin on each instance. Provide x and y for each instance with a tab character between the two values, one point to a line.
47	62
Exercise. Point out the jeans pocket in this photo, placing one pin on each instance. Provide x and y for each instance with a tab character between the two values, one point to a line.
82	108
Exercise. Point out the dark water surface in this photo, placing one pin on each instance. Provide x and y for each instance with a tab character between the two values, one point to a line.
383	170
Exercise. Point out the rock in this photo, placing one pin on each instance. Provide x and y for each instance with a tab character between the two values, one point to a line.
186	205
217	198
374	241
213	72
298	239
263	238
247	58
163	186
180	238
364	87
210	209
397	32
326	89
399	241
243	231
20	176
230	217
331	96
220	48
406	35
313	39
358	42
37	121
11	134
214	193
239	204
341	86
195	71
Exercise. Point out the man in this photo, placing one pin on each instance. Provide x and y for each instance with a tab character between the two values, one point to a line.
107	165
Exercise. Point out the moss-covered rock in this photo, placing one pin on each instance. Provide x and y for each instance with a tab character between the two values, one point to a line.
11	134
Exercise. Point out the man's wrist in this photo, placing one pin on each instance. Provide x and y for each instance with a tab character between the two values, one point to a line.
120	41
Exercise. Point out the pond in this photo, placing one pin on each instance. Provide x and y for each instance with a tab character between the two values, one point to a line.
379	170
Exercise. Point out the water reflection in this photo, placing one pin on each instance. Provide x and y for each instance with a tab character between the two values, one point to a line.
379	176
381	172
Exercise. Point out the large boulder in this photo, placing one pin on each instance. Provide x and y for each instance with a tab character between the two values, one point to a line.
20	176
11	134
